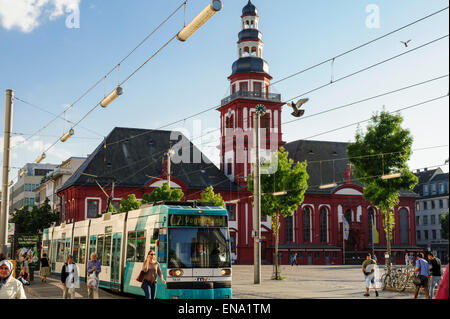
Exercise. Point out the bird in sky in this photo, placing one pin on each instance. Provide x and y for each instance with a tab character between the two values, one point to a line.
406	43
296	106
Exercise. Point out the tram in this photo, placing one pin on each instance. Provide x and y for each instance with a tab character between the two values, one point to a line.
191	241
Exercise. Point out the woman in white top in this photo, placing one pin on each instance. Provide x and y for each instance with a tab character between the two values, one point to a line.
10	288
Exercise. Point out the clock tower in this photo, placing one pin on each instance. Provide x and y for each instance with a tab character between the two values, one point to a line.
249	88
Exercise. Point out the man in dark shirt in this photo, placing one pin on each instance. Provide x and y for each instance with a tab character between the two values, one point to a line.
435	272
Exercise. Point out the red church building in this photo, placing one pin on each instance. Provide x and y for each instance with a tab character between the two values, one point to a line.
133	161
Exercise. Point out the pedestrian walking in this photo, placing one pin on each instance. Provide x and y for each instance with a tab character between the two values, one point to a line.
406	259
93	269
295	259
44	272
443	292
368	269
422	272
435	272
151	270
10	288
24	277
70	278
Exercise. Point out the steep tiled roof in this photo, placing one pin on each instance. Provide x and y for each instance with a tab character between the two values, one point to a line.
133	160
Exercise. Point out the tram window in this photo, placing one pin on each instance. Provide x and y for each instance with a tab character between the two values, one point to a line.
155	234
92	245
60	251
107	252
82	250
140	246
75	249
100	243
131	246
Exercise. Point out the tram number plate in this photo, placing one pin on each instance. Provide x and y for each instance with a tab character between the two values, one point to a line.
202	279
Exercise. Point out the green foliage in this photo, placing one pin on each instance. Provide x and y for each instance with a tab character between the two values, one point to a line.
289	177
163	193
444	226
130	203
111	209
209	197
32	220
384	136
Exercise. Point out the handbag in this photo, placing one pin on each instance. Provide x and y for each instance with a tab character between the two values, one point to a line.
140	277
417	281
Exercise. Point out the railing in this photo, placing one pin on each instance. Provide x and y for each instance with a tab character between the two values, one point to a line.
252	96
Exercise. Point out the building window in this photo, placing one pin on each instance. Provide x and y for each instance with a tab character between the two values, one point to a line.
233	243
434	234
323	225
92	208
348	215
425	220
229	122
441	203
404	226
306	225
433	219
425	205
425	190
426	234
417	206
417	220
233	89
257	88
265	121
433	206
229	168
243	87
231	208
441	188
433	189
317	255
418	235
289	229
31	201
371	219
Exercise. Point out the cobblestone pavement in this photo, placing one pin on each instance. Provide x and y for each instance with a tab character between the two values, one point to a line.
307	282
301	282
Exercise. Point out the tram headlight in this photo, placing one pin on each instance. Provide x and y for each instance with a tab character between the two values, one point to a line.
225	272
176	272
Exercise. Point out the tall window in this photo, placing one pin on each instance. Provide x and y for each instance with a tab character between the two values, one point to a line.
371	217
441	203
425	190
425	205
403	225
323	225
433	206
243	87
425	220
426	234
289	229
418	235
231	208
265	121
434	234
348	215
257	88
433	219
306	225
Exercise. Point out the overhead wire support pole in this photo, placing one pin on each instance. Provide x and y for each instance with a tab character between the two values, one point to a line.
6	171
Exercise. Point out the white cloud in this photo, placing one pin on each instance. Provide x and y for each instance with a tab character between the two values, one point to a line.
26	15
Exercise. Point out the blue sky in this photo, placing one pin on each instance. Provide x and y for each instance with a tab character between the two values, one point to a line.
52	65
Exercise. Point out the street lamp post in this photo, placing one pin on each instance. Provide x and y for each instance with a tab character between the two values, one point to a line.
260	111
6	168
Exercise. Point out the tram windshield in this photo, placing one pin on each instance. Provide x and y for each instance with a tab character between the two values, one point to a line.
199	248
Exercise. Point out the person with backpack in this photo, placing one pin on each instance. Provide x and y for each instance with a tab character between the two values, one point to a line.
422	272
368	269
435	272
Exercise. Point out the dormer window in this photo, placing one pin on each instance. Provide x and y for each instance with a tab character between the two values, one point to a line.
425	190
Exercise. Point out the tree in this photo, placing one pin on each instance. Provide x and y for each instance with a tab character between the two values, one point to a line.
32	220
288	177
163	193
444	226
130	203
209	196
384	149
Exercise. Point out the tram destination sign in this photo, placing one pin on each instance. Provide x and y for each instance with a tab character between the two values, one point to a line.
198	221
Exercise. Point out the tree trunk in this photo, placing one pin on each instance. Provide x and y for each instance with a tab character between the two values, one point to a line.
277	240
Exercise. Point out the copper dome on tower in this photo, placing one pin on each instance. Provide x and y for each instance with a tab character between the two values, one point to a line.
249	9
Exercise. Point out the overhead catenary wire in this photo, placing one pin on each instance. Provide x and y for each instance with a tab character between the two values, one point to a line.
313	90
297	73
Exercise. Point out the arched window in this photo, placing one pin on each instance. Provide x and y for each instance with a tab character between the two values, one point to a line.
254	51
230	122
403	226
289	229
323	225
306	225
371	217
348	215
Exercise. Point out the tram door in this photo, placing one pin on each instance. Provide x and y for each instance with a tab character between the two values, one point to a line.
115	261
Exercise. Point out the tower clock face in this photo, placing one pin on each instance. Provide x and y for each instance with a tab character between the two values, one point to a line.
217	5
260	109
